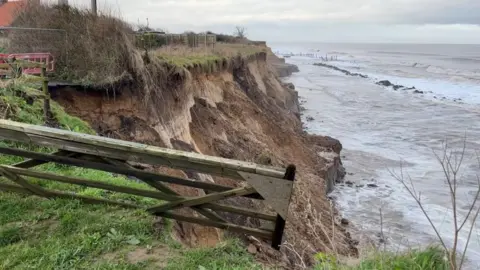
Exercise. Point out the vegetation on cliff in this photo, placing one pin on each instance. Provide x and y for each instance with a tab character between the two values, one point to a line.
432	258
64	234
246	111
188	57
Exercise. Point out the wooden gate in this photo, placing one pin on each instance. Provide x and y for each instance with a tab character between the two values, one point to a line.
272	185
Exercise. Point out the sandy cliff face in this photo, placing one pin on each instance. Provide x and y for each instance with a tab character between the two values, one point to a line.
241	111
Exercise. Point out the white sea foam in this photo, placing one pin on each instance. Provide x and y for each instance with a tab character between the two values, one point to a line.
379	128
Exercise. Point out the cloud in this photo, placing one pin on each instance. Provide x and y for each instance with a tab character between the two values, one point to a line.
207	12
341	19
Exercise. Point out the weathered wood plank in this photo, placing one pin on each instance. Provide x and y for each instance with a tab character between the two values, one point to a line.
205	212
91	183
221	225
281	220
149	154
127	155
187	202
153	184
32	162
200	209
57	194
14	188
114	169
14	135
239	210
22	65
101	151
277	192
37	190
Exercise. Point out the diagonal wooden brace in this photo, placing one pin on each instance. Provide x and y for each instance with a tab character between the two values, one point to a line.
35	162
161	187
196	201
24	183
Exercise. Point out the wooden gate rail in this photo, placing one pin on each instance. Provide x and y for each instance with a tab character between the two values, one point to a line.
272	185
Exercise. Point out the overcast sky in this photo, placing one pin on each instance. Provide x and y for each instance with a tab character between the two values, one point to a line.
413	21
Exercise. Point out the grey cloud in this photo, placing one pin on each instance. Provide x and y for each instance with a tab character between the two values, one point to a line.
315	20
202	12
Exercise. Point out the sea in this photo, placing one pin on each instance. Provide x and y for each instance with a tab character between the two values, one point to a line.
399	137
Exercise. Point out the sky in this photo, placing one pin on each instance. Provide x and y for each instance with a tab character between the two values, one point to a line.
365	21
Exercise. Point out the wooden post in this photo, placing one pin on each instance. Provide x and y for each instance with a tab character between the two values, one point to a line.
94	7
46	102
280	222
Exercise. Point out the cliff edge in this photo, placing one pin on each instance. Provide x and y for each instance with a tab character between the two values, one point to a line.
238	110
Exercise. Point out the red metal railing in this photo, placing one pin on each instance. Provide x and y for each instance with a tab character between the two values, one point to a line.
44	58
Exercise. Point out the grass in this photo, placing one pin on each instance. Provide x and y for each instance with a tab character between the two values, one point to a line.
3	44
190	60
432	258
188	57
229	255
38	233
60	233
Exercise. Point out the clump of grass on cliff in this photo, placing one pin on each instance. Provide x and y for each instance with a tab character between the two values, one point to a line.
39	233
228	255
100	49
86	47
94	50
183	56
431	258
46	234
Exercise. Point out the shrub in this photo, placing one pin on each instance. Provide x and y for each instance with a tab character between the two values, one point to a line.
86	46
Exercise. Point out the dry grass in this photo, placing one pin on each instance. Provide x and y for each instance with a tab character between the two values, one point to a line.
183	56
314	229
94	50
86	47
101	51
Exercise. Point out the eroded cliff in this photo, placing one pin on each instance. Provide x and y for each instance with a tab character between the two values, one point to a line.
239	110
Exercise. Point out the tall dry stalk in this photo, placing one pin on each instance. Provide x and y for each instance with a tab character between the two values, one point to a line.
451	164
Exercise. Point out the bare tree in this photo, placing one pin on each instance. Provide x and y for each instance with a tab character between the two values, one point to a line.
240	32
450	162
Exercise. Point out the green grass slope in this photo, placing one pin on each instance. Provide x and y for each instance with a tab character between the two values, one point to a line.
38	233
431	258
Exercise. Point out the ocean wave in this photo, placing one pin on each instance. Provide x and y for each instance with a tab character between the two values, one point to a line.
404	53
464	60
456	89
448	72
420	65
473	75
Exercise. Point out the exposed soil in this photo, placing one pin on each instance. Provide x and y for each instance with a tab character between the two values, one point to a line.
242	112
282	69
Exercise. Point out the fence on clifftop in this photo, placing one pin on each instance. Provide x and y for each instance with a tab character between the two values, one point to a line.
272	185
322	57
158	39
